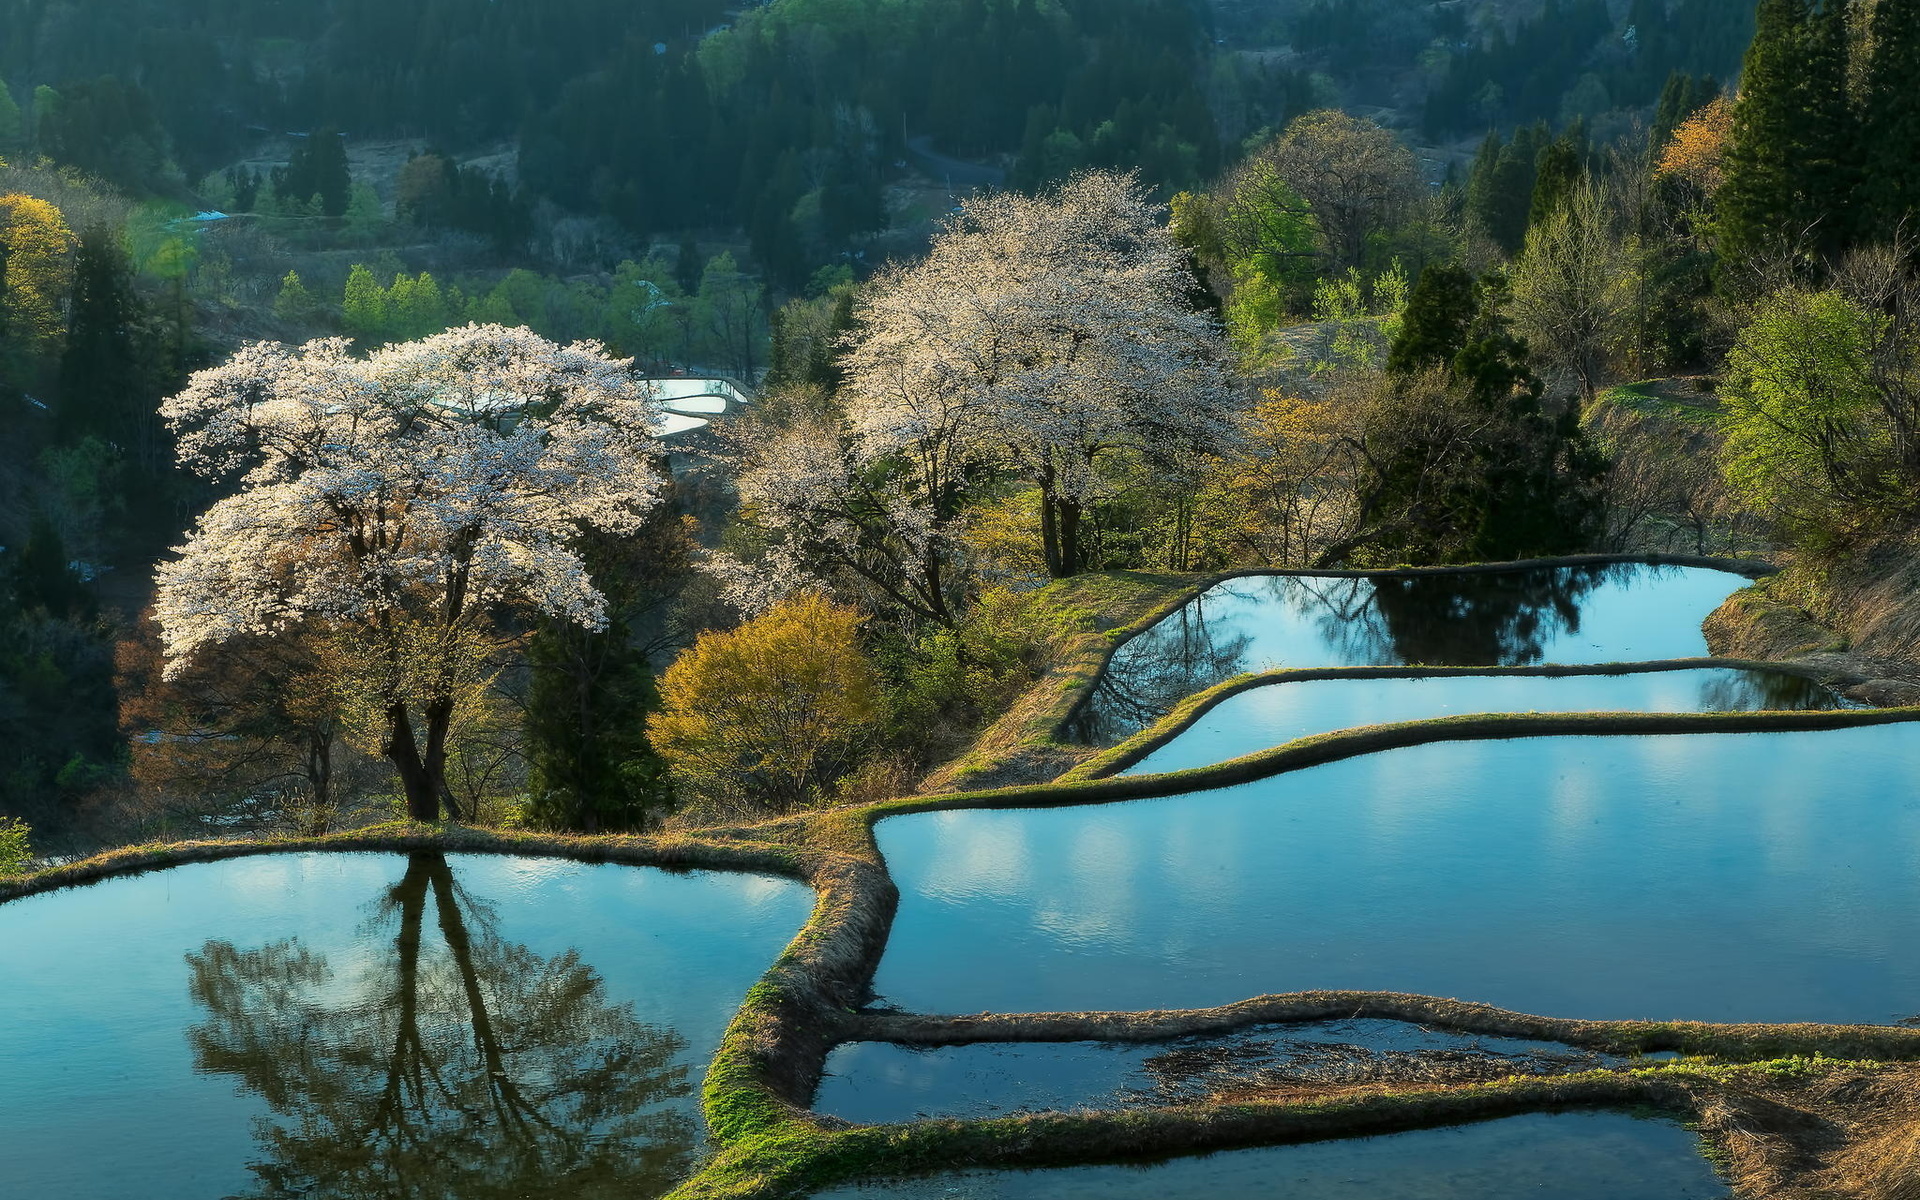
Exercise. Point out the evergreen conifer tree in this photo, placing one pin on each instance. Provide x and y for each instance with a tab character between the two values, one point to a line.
1791	160
101	375
1830	169
1440	311
1480	179
1562	165
318	167
295	303
1755	208
363	307
13	130
589	693
1891	116
1504	202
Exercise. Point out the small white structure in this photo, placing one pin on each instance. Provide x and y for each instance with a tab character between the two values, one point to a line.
689	402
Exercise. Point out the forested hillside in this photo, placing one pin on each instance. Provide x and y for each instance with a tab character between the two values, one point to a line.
805	106
1377	283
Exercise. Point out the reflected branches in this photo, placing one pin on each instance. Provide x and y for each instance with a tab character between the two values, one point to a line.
1153	672
448	1064
1486	618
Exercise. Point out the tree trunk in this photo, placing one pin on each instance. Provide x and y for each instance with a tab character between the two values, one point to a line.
1069	521
422	788
439	721
1049	532
320	774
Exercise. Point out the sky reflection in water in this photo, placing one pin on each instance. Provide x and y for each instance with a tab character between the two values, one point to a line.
356	1024
1721	877
1263	717
1618	613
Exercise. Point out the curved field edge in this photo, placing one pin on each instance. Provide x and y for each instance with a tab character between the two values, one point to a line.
762	1077
1124	754
1752	1116
759	1085
1369	739
1729	1042
1093	615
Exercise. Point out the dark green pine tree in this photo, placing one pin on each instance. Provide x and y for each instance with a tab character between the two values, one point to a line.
1480	178
41	578
1562	165
1502	203
1830	169
1756	205
1521	483
102	372
587	704
1891	118
1681	97
589	693
1671	110
318	167
1791	162
1440	312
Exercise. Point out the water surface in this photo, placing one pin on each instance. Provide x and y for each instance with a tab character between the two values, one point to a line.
1716	877
1263	717
876	1082
346	1025
1556	1156
1616	613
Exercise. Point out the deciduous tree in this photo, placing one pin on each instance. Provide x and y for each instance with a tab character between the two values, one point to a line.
1817	434
1697	151
16	851
441	1060
36	252
770	715
1573	289
256	722
1354	176
408	499
1039	335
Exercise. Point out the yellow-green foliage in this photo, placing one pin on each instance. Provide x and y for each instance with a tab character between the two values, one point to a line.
39	260
15	850
1805	441
770	713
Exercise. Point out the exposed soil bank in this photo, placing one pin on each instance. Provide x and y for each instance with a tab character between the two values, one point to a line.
1853	619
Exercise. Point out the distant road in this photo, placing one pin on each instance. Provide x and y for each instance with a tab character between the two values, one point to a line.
958	172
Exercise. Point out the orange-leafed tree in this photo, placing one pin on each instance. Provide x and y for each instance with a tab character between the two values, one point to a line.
256	725
1697	151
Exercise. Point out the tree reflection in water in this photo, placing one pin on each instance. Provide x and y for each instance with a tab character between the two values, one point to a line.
1493	618
1490	619
1763	691
1181	655
473	1069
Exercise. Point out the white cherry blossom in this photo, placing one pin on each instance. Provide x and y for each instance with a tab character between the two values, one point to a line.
428	485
